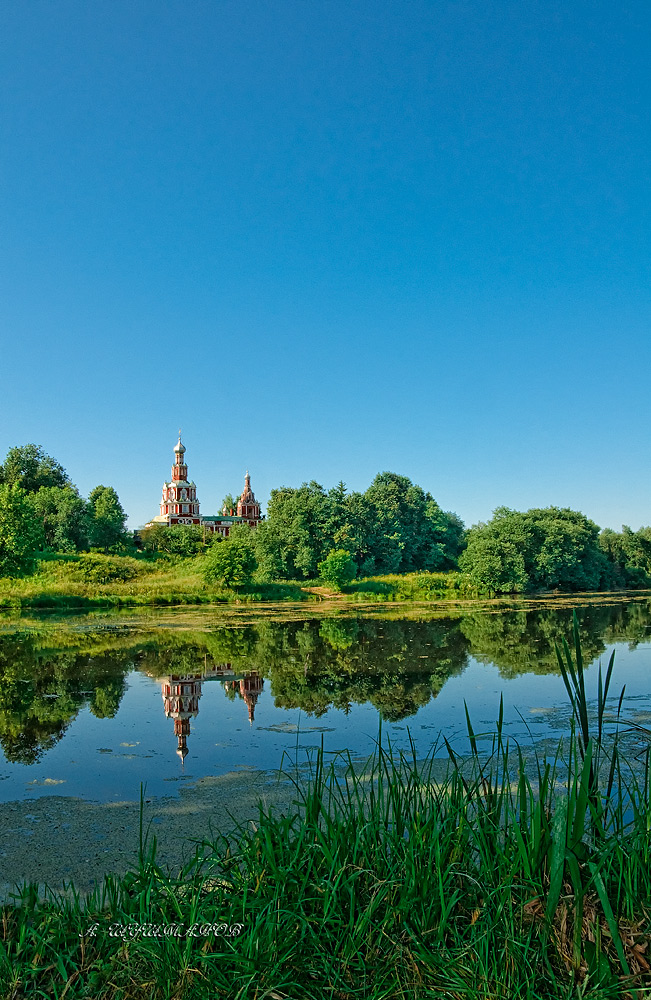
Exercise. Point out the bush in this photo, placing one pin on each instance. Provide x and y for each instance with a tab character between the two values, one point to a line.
338	568
541	549
96	568
231	562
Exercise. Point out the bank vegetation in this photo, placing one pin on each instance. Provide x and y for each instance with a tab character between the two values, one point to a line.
391	542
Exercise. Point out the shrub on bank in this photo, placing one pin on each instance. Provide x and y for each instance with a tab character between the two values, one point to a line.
416	587
95	568
338	568
231	562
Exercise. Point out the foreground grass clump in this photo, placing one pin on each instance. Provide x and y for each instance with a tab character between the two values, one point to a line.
392	881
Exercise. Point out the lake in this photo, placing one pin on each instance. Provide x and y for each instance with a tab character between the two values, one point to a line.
92	706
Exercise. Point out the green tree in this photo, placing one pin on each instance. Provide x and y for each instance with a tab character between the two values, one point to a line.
21	532
338	568
108	520
229	503
394	527
630	555
65	518
31	468
231	562
353	524
540	549
412	532
295	536
494	562
175	539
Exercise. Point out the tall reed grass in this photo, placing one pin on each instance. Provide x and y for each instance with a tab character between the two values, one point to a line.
498	878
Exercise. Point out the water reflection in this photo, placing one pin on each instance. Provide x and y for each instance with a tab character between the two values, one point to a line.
397	666
524	641
42	690
181	694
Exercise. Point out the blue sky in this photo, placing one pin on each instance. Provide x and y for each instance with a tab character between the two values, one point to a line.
328	239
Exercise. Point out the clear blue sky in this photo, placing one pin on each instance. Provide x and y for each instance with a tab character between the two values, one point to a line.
329	238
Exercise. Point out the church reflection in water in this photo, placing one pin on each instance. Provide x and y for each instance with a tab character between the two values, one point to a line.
181	693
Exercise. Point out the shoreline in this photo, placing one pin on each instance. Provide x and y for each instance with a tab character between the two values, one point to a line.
59	585
248	613
57	840
54	839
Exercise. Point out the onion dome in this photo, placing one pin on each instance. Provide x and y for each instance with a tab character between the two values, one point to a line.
180	448
247	493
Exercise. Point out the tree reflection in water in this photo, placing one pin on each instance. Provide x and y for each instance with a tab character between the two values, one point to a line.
395	665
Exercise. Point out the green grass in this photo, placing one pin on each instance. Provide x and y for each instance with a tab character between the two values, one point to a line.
386	882
414	587
94	580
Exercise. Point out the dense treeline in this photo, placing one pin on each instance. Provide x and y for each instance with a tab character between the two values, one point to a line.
41	510
310	533
629	553
554	549
394	527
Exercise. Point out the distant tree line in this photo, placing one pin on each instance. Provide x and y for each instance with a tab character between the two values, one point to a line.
393	527
554	548
41	510
335	535
310	532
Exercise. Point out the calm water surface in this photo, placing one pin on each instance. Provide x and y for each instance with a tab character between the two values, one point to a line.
93	708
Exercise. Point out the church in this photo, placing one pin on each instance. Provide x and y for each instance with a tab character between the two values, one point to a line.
180	504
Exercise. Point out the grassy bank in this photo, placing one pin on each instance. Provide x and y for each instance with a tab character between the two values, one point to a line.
95	581
389	883
91	580
414	587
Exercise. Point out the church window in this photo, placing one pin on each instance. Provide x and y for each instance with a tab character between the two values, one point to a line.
185	508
